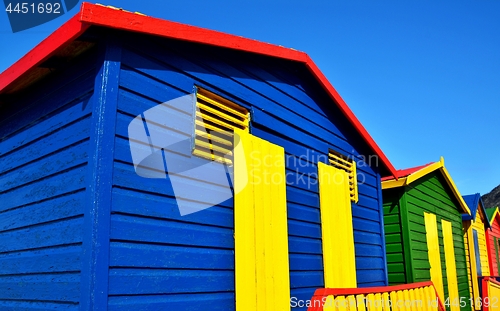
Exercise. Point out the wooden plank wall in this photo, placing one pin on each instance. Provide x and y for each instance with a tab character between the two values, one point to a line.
190	258
44	143
429	194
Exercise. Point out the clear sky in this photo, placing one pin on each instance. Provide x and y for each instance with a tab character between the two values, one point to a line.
422	76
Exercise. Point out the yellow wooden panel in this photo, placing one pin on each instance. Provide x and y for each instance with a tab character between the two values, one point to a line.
432	303
478	225
471	264
336	227
451	269
431	233
387	302
351	299
260	220
494	296
394	299
360	302
329	304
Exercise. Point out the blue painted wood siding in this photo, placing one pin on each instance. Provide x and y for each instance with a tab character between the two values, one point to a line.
44	143
157	257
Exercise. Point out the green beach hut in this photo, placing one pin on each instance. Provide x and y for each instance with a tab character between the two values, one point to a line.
423	229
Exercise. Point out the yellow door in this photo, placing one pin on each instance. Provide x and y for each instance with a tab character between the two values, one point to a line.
431	233
451	269
262	280
339	259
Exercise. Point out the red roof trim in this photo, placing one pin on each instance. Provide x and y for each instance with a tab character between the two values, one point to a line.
113	18
407	172
91	14
64	35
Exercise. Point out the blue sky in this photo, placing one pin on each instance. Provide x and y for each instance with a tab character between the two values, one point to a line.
422	76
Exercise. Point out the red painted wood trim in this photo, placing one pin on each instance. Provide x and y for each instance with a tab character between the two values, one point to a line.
58	39
485	293
490	251
320	293
368	290
350	115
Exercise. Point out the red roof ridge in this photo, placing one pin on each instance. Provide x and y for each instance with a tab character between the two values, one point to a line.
407	171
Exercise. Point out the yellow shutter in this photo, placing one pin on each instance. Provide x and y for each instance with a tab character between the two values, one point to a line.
349	166
260	225
451	269
431	233
216	119
478	224
471	263
336	227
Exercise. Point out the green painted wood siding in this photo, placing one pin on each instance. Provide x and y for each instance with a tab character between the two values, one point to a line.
394	238
430	195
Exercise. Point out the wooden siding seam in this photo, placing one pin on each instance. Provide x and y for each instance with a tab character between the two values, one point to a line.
95	275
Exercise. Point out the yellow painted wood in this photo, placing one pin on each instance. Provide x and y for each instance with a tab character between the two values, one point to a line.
422	294
348	165
466	224
431	233
329	304
432	303
471	264
406	300
260	220
418	299
360	302
336	227
427	170
451	269
341	303
220	117
494	296
394	298
386	302
370	302
351	299
478	225
224	105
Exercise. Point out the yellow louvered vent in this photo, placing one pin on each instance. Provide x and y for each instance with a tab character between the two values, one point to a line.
349	165
216	119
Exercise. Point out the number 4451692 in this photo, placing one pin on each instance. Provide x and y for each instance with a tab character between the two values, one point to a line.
40	8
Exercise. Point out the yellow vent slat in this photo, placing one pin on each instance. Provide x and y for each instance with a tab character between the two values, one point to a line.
210	156
217	138
225	126
223	107
216	119
222	114
431	233
339	159
215	148
207	126
349	166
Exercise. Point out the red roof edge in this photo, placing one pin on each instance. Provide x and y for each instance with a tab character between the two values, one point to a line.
406	172
350	115
98	15
118	19
64	35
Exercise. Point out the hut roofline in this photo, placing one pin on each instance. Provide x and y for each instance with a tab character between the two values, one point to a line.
418	172
24	71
